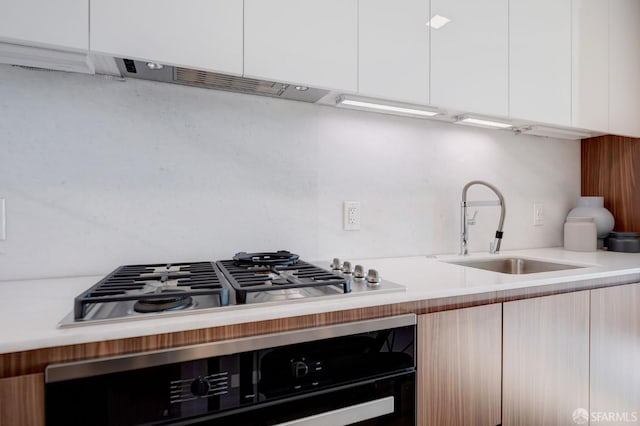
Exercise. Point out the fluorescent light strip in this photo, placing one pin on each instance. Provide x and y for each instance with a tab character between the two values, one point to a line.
483	123
387	108
551	132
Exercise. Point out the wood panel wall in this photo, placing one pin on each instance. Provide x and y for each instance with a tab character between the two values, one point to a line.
610	167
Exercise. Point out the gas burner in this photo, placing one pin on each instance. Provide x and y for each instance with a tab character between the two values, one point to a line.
173	289
249	279
146	283
170	302
281	258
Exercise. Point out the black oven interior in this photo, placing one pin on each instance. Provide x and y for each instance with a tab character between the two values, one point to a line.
264	386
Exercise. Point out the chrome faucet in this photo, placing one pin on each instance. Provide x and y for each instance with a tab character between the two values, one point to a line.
494	246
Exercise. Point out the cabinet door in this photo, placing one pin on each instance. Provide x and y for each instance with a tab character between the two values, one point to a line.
393	50
540	60
624	67
60	23
459	363
590	65
469	56
202	34
308	42
615	351
22	400
545	359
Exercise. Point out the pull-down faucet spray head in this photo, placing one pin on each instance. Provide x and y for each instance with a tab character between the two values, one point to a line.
494	246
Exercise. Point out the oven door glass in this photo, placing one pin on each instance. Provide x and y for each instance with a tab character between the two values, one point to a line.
388	401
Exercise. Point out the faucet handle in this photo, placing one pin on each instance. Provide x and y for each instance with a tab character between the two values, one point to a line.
472	220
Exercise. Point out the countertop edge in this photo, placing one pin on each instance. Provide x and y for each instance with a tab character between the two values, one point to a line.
35	359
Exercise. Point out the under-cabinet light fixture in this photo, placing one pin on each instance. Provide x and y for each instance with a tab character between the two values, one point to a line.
397	108
471	120
437	22
551	132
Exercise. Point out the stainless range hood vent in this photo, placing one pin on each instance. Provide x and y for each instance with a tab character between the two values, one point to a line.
228	82
210	80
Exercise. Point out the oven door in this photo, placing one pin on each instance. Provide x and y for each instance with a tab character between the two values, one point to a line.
353	373
386	401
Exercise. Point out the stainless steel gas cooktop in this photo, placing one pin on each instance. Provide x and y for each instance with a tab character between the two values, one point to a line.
146	291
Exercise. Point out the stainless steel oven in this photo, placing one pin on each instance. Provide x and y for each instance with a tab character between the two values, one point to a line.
354	373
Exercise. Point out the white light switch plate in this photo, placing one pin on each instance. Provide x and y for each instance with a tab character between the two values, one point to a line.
538	214
3	219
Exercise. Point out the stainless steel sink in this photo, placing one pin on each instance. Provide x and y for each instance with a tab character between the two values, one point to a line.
514	265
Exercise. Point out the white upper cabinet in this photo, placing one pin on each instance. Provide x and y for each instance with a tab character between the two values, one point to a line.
202	34
540	60
624	67
308	42
470	56
393	51
590	65
59	24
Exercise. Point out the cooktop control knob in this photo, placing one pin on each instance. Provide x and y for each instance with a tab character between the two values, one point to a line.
299	369
358	271
373	278
200	387
346	267
335	265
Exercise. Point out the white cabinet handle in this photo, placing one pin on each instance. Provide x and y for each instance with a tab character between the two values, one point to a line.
347	415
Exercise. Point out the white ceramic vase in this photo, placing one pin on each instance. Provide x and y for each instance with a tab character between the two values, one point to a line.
594	207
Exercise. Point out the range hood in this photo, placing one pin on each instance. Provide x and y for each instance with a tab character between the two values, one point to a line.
210	80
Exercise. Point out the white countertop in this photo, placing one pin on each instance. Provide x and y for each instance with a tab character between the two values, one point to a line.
33	324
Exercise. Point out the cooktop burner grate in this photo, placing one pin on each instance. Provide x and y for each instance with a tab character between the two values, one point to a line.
247	278
281	257
153	283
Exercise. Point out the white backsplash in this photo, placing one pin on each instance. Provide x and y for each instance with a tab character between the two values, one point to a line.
97	173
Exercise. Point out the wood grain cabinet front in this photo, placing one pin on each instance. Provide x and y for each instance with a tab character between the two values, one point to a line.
615	354
459	362
545	359
22	400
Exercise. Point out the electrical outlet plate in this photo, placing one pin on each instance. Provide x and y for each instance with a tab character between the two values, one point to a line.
538	214
351	216
3	220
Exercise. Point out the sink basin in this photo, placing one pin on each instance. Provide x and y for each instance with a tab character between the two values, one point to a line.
514	265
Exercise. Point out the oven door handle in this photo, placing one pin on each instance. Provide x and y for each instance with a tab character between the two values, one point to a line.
347	415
